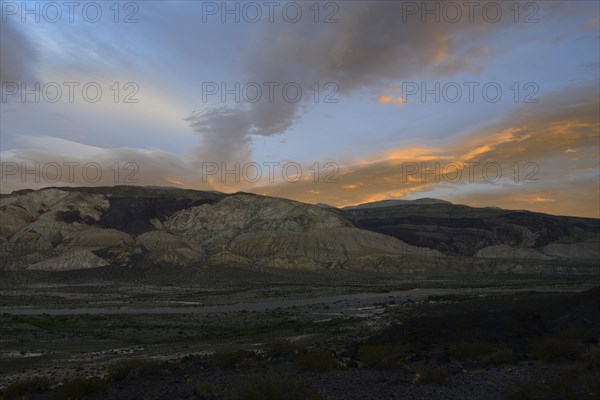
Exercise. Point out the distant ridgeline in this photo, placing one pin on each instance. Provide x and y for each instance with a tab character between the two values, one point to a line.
57	229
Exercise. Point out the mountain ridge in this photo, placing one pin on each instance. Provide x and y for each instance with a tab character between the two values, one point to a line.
396	202
74	228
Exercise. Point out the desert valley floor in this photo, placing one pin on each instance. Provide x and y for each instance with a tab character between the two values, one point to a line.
219	333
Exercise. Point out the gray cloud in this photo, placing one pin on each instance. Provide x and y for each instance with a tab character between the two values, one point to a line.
369	48
225	134
82	165
17	55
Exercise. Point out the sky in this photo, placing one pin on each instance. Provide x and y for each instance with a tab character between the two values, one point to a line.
479	103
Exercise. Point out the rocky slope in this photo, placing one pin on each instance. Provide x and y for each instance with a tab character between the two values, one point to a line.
486	233
77	228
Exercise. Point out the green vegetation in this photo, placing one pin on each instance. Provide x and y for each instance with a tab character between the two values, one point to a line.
317	361
500	356
430	374
385	355
566	344
592	357
87	345
554	385
230	358
274	388
555	347
550	348
207	391
80	388
26	389
485	352
126	369
282	348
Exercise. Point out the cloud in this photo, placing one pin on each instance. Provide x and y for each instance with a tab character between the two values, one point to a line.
225	134
591	24
533	146
577	196
366	54
369	48
17	55
387	99
529	145
49	161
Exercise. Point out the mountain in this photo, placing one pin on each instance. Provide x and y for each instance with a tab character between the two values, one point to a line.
490	232
396	202
78	228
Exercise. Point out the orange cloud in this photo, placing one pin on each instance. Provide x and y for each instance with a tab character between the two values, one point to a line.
590	24
543	200
442	51
173	181
528	145
528	142
387	99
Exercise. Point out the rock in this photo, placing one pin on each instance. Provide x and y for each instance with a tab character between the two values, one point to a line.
240	214
170	248
98	238
19	210
75	259
64	228
515	253
332	247
228	258
459	230
588	250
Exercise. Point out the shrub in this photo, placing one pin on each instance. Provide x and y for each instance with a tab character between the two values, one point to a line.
79	388
487	353
207	391
501	356
592	357
519	391
25	389
126	369
577	334
430	374
282	348
229	358
551	385
465	350
386	355
555	347
564	344
317	361
273	388
563	386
